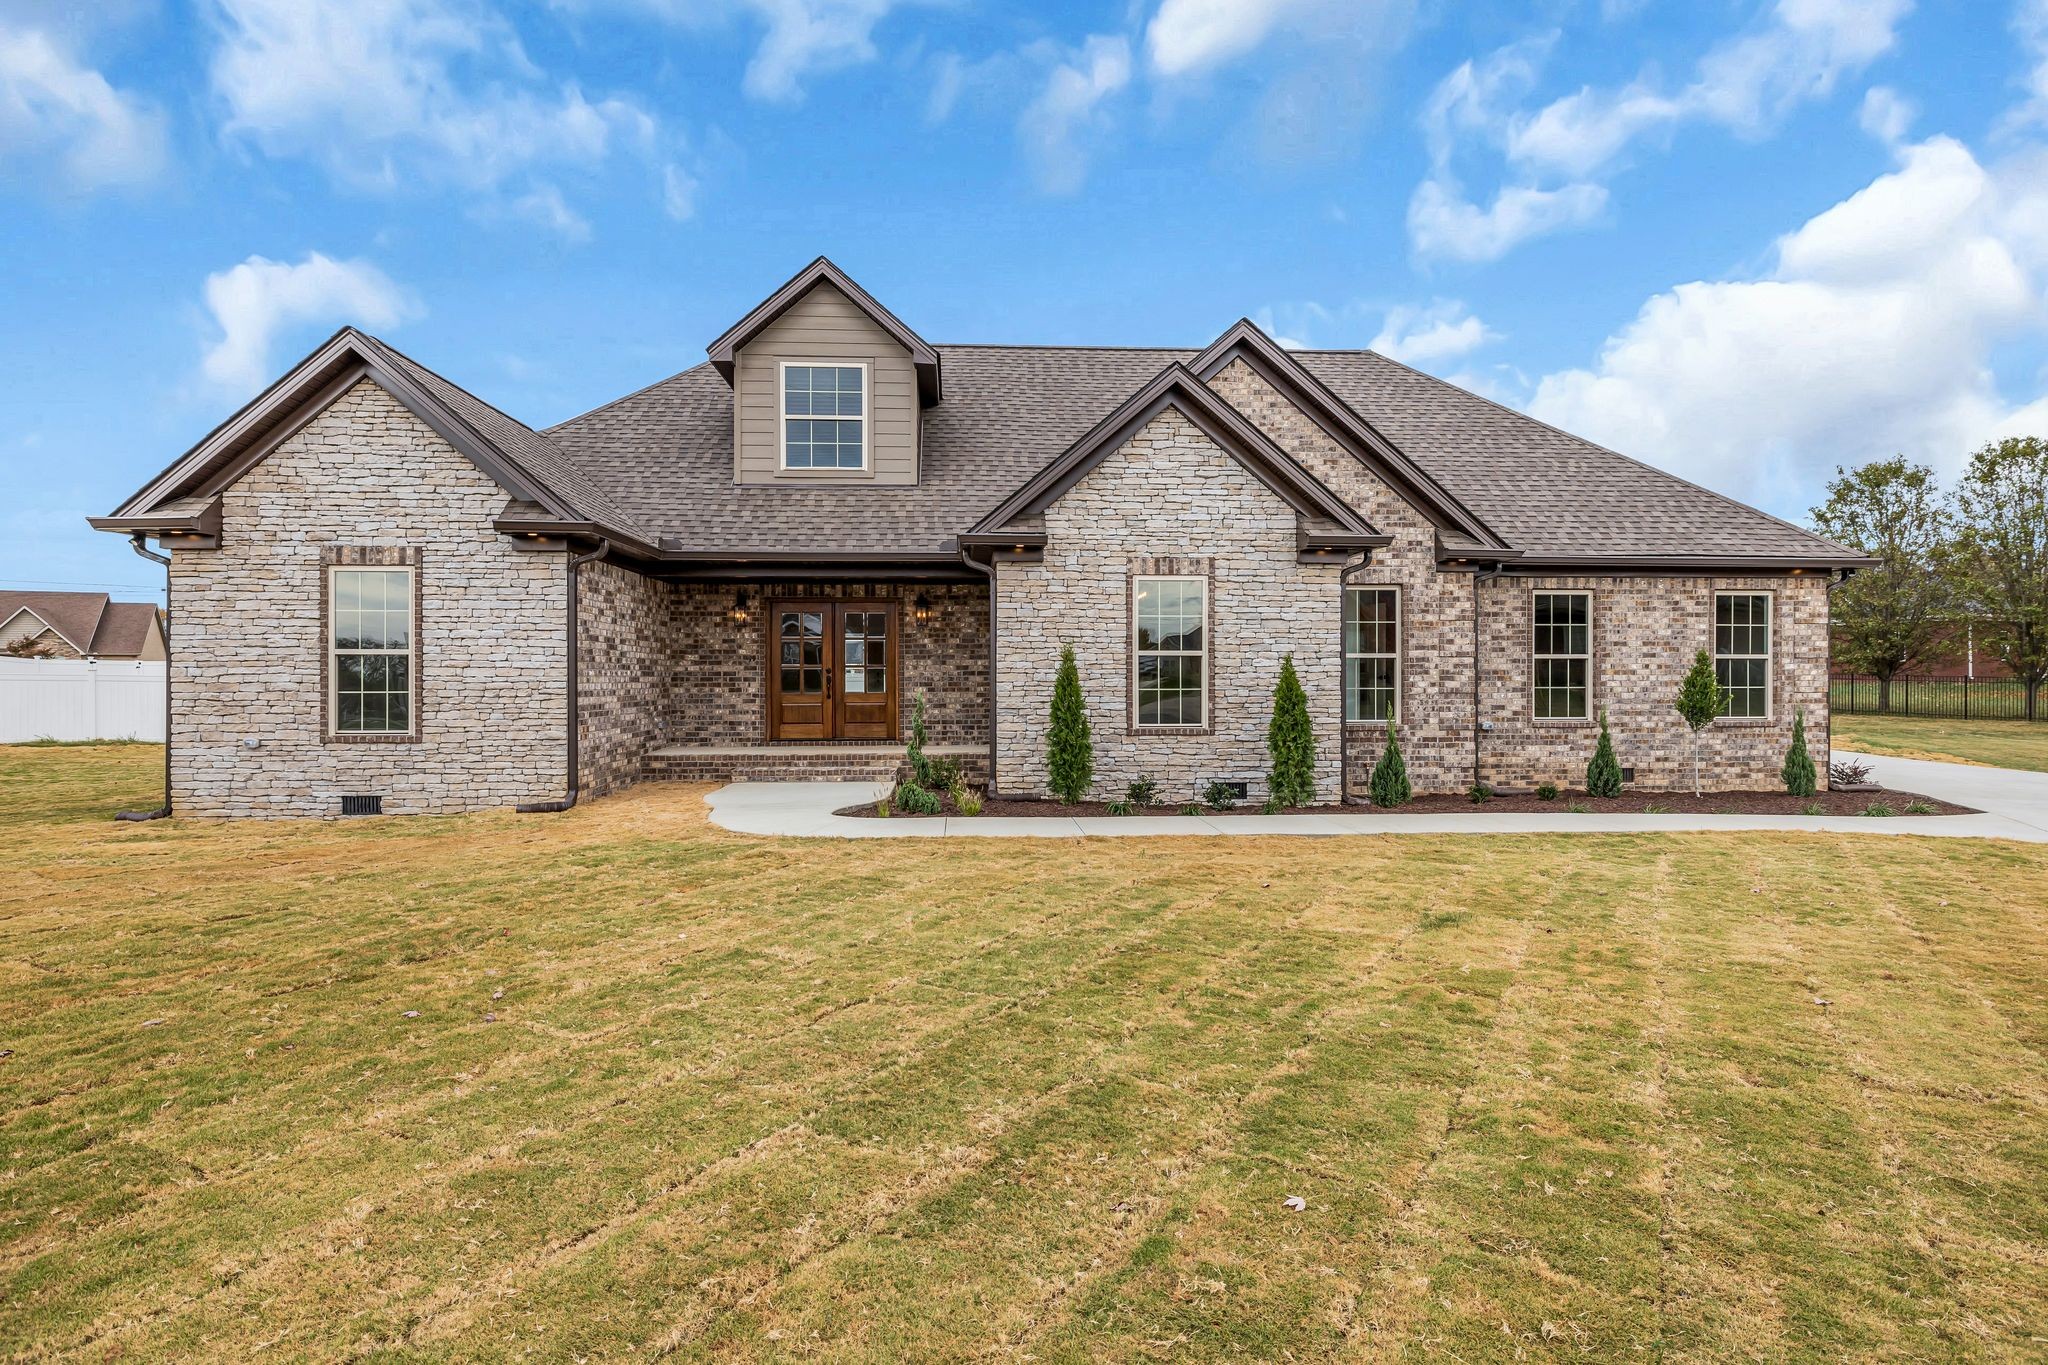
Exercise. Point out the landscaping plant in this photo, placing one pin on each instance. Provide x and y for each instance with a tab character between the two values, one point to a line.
1218	795
1142	792
1479	793
1701	701
1546	791
1847	772
1603	773
1291	741
922	771
1389	786
912	799
1069	747
1800	778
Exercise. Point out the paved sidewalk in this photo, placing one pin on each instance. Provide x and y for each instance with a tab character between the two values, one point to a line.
2014	805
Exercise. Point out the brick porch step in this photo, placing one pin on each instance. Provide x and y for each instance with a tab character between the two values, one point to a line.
823	762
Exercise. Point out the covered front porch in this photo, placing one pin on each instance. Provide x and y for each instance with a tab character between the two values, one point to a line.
802	761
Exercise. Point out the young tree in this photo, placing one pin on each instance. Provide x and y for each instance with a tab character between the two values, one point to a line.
1291	741
1998	559
1701	701
1800	777
1389	786
1603	774
1887	616
1069	745
921	769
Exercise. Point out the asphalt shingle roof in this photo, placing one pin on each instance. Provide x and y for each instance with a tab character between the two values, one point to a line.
662	458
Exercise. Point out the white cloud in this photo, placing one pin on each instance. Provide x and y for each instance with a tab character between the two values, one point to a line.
1887	115
678	192
1442	222
1443	330
1194	35
254	302
385	92
1745	83
1871	335
544	207
57	112
2030	26
809	36
1055	124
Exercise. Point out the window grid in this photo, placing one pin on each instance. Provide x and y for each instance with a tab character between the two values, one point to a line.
824	416
1561	651
1171	651
371	640
1742	652
1372	654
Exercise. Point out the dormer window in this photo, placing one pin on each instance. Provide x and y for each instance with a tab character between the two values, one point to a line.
824	416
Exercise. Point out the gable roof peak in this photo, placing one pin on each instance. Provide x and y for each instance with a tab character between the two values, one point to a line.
923	355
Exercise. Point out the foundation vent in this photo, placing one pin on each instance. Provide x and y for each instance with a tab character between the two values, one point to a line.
362	805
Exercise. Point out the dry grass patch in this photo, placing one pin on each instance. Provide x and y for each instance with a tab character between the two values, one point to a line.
616	1083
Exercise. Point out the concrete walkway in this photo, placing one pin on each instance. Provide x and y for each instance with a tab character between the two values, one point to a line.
2014	805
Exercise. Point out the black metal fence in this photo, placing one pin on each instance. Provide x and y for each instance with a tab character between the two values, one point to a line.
1960	698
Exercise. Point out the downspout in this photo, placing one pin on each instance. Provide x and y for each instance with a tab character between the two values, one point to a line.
1344	797
1477	578
988	571
140	544
1835	580
576	562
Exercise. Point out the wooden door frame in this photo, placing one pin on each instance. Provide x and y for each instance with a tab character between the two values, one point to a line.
831	607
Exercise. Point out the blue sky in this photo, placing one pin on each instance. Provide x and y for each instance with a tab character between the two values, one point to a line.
1746	241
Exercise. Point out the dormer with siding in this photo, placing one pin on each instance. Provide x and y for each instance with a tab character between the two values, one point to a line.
828	386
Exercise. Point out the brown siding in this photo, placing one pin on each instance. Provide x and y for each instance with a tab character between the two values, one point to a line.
824	325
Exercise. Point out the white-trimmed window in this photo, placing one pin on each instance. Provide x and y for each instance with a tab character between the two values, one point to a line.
1170	651
824	416
370	672
1742	651
1561	654
1372	654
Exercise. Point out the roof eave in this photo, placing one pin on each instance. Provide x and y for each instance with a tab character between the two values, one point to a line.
1731	563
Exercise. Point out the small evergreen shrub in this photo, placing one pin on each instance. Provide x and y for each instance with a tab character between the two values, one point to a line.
1389	785
922	770
1800	778
1271	806
1143	791
1603	773
1291	741
1069	747
1479	793
1546	791
912	799
1218	795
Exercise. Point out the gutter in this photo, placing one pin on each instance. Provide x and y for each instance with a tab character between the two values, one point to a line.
1344	797
1477	578
988	571
568	801
139	543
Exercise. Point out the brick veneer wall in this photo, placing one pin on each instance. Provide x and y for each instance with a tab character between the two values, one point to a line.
623	674
717	677
1165	499
365	473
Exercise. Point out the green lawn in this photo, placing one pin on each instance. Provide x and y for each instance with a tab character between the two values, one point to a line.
1999	743
1591	1097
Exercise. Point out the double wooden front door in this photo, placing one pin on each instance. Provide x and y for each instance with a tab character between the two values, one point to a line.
831	670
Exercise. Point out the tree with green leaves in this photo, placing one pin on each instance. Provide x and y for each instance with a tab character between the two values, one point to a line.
1603	773
1291	741
1887	616
1998	558
1069	744
1389	786
1798	772
1701	701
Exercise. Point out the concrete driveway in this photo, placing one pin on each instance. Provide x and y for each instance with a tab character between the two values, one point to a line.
2014	806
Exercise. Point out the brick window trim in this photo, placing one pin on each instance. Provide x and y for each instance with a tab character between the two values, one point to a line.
1170	566
334	557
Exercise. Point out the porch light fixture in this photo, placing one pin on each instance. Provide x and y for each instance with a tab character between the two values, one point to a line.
921	609
739	612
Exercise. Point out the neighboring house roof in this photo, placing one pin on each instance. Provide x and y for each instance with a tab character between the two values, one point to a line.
87	621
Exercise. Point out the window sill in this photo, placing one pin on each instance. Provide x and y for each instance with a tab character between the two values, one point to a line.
1169	731
1564	722
1745	722
370	739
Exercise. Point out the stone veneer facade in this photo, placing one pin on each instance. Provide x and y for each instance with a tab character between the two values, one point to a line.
1167	501
366	481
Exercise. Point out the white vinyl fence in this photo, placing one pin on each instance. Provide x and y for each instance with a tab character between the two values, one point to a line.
80	699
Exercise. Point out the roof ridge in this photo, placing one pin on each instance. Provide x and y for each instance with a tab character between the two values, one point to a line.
1605	450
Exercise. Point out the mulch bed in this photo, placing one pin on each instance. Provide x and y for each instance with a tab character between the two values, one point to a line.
1628	803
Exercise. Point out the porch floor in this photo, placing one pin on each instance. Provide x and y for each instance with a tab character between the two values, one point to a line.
797	761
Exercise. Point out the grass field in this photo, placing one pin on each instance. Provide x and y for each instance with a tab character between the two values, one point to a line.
1999	743
616	1084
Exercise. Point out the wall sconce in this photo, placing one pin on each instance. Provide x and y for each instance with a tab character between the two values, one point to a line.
921	609
739	612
